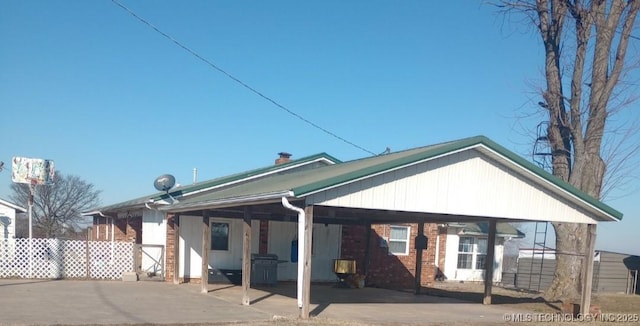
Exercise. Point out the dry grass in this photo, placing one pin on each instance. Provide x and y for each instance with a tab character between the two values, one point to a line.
531	301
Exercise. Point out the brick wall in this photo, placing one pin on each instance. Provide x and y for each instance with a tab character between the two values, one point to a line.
442	251
264	237
170	248
127	229
388	270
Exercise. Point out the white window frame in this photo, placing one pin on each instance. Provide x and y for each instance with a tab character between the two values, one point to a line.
477	253
405	240
474	253
466	253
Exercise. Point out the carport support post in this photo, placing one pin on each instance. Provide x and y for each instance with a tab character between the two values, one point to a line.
367	250
587	267
246	256
418	277
306	260
206	243
488	265
176	249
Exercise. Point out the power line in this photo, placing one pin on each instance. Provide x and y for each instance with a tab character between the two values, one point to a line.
237	80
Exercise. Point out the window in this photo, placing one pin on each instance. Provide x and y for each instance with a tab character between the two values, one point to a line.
399	240
472	253
465	253
219	236
481	253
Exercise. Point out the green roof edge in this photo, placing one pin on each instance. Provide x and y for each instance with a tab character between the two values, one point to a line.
452	146
551	178
215	182
242	175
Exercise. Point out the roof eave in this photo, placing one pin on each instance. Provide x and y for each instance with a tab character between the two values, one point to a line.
284	167
228	202
14	206
606	212
602	210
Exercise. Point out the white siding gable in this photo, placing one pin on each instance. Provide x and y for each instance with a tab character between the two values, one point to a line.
463	183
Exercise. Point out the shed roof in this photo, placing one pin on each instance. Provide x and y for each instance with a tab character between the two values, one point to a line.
12	205
502	229
305	183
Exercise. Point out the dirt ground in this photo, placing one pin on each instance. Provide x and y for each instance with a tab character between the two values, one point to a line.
532	301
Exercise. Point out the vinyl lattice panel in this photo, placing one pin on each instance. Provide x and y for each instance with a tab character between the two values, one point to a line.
56	258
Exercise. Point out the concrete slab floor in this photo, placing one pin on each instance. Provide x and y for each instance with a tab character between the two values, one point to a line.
45	302
372	305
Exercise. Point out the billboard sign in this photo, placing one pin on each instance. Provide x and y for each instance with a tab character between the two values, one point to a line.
32	171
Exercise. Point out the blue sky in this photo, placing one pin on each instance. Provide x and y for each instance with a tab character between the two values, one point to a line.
108	99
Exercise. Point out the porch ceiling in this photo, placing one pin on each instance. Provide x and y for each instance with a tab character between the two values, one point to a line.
339	215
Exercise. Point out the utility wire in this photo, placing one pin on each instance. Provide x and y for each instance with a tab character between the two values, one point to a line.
237	80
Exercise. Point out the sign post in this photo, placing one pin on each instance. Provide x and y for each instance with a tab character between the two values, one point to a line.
32	171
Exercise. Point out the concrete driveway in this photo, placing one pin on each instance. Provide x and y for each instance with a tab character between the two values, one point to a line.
114	302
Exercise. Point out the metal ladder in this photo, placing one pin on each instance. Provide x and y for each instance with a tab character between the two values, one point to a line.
539	243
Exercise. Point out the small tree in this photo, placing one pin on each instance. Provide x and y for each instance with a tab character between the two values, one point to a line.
57	208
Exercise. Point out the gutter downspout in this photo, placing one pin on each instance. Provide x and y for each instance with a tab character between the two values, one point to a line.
301	241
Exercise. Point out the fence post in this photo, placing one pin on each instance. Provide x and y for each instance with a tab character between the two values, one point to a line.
136	248
87	258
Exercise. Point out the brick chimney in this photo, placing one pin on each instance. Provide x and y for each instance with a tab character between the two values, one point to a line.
284	158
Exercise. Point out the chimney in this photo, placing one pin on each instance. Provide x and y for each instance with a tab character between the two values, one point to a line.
284	158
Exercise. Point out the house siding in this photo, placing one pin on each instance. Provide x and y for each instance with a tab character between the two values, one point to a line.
325	248
7	222
456	184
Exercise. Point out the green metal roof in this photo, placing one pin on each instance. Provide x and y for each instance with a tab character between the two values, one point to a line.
304	183
204	185
502	229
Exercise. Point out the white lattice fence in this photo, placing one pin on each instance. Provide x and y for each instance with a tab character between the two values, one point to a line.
110	259
55	258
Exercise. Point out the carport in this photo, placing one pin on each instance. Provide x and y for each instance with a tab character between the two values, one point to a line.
469	180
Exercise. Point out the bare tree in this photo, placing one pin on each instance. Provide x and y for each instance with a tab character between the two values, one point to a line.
585	46
57	208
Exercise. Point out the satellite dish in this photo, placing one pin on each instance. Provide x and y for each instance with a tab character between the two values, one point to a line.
164	182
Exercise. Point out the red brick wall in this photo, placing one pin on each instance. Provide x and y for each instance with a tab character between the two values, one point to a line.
442	250
388	270
170	248
127	229
264	237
